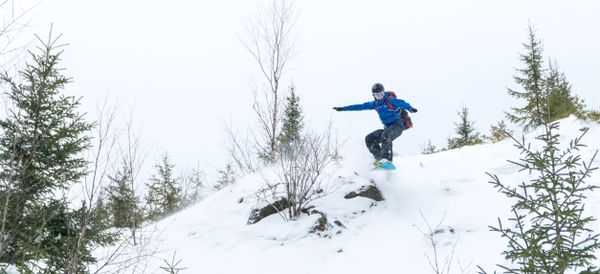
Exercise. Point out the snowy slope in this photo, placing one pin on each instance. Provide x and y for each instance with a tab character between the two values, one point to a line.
449	188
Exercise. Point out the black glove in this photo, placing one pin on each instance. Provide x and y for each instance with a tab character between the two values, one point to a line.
413	110
338	108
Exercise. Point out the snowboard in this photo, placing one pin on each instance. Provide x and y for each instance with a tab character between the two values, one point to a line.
385	165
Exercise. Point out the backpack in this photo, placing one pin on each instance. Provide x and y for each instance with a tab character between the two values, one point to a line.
403	113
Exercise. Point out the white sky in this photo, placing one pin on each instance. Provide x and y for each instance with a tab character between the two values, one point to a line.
182	69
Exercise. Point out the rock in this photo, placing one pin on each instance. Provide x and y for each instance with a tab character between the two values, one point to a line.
321	224
307	210
371	192
340	250
241	200
338	223
258	214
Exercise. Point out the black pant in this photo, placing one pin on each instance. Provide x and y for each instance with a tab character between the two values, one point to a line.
380	142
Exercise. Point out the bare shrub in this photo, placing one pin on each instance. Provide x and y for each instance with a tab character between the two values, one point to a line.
299	172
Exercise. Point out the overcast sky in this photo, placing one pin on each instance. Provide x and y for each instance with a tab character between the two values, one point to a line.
180	65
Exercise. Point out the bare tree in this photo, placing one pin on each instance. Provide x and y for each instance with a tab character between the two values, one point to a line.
106	139
435	263
270	41
242	151
15	19
133	158
299	172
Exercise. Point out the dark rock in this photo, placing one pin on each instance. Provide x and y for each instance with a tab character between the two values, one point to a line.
438	231
258	214
307	210
340	250
338	223
371	192
321	224
241	200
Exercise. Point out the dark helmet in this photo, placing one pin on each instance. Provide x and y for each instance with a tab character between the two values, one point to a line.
377	88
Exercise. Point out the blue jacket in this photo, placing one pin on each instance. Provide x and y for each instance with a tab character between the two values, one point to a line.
386	115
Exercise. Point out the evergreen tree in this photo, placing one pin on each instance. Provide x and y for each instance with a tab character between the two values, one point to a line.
466	133
499	132
164	195
429	148
546	91
593	115
549	232
292	118
41	147
561	102
194	183
531	79
123	204
226	177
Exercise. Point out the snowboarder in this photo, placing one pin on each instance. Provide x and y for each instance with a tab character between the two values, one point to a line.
379	142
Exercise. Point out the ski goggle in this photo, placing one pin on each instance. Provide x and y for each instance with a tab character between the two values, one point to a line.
378	95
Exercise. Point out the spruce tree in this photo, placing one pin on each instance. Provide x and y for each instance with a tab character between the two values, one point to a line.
292	118
499	132
123	204
466	133
41	148
547	92
561	102
194	183
531	79
227	177
549	232
429	148
164	191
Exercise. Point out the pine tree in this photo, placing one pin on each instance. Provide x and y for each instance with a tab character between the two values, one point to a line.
123	204
41	154
549	232
532	82
292	118
227	177
164	195
499	132
467	135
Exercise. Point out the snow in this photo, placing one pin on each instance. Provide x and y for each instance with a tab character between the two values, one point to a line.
8	269
447	192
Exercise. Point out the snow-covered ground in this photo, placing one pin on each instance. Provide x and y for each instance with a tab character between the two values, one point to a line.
449	191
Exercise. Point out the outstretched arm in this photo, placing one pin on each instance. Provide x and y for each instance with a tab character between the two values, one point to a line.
399	103
363	106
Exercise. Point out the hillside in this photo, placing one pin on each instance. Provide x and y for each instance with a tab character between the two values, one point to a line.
446	192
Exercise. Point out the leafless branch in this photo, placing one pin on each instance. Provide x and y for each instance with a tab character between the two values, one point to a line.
269	39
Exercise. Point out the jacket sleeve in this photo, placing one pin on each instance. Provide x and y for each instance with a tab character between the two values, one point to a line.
363	106
399	103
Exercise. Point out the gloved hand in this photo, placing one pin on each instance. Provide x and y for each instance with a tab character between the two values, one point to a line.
338	108
413	110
